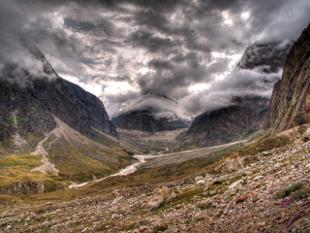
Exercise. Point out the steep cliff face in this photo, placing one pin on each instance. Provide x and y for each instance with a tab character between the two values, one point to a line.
290	102
246	115
29	101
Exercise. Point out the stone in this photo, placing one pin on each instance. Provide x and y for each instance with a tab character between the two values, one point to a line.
156	202
266	153
197	178
258	178
234	186
116	216
201	182
241	198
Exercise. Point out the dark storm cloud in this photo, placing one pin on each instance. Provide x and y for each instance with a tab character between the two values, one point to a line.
172	79
152	42
79	25
160	64
221	94
164	6
152	45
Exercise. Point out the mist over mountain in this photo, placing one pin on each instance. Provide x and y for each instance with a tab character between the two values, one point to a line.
152	113
243	107
120	50
50	94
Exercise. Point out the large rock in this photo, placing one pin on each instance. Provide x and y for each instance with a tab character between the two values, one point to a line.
290	103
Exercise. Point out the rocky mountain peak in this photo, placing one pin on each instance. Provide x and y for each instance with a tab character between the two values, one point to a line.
268	57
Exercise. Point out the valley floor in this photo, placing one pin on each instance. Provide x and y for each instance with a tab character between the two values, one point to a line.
267	191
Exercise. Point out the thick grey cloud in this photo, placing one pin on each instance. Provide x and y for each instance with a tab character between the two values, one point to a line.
120	49
241	82
151	42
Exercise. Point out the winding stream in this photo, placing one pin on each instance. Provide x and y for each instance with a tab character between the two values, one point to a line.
123	172
175	157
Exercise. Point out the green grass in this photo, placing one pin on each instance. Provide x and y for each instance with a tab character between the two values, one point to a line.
15	170
297	190
73	164
22	161
186	196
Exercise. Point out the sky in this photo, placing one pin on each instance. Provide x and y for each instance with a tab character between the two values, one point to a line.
120	50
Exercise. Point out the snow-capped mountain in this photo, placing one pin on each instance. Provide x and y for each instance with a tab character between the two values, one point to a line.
152	113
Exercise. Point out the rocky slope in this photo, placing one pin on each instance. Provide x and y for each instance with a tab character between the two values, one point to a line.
264	187
245	114
150	113
290	103
51	131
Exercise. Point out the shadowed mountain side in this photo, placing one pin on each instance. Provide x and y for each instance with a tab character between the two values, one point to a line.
224	125
290	103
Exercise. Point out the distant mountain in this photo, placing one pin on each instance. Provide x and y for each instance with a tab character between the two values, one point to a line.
47	118
245	114
290	102
151	113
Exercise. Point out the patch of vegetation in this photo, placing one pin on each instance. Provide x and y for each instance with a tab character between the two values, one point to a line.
160	228
185	196
297	190
7	144
8	120
220	187
22	161
33	139
16	176
129	226
266	144
20	120
301	193
73	164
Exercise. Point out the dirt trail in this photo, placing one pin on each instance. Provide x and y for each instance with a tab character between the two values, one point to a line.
123	172
47	167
